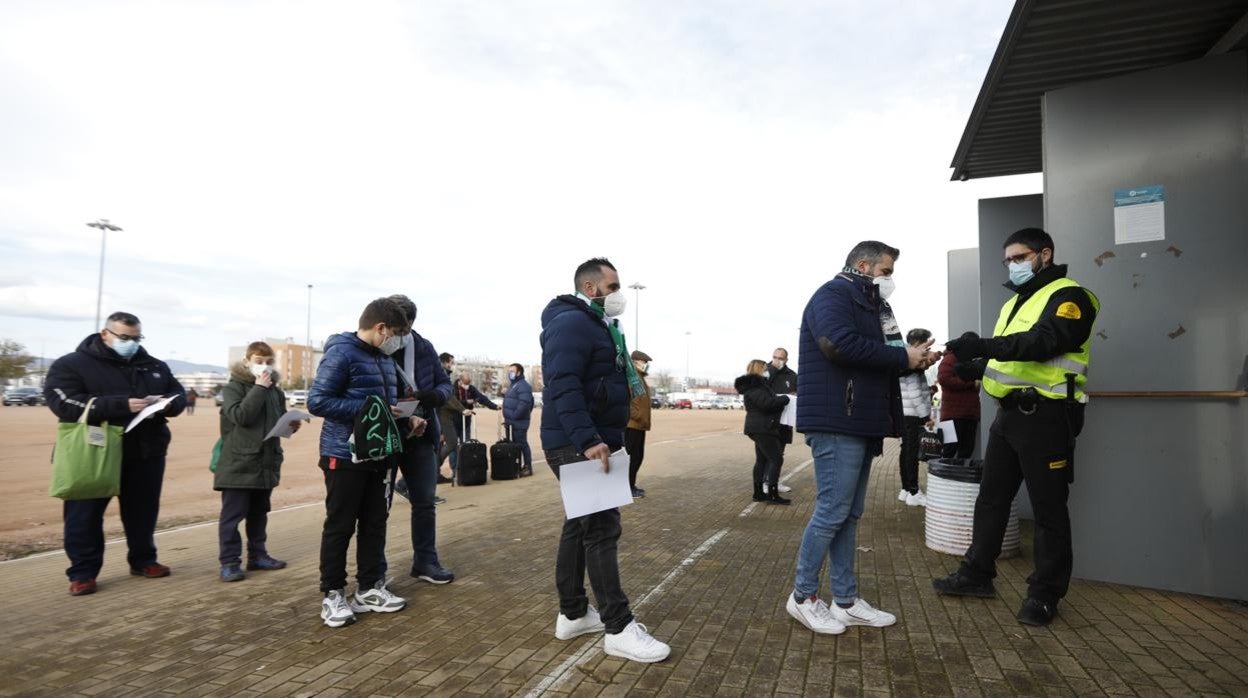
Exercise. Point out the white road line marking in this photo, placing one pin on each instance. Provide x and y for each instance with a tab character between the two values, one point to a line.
563	672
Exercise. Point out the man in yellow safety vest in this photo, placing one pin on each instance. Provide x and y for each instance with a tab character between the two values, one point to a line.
1037	368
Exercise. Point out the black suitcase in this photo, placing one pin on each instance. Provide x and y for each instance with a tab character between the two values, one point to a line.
505	458
472	462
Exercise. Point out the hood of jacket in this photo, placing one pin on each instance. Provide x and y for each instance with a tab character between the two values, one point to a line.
568	303
748	381
242	374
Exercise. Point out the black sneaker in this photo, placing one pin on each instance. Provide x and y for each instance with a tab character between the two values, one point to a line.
1036	612
958	584
438	500
638	493
434	574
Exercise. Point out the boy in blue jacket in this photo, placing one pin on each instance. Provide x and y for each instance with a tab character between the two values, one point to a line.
356	367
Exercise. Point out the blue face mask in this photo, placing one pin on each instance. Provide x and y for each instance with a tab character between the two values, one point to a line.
511	376
1021	273
125	348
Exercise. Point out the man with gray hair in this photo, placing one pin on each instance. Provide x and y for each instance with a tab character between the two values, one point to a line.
848	401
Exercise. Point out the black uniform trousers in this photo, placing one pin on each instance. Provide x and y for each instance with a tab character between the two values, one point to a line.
589	544
909	461
1031	448
966	430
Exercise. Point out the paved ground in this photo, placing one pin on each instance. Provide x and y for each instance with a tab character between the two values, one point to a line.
707	571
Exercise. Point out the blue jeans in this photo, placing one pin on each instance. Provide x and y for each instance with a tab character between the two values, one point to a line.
842	468
520	434
419	467
141	480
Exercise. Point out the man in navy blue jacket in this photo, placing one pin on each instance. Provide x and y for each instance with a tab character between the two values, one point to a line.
518	411
848	400
355	368
422	379
115	375
586	369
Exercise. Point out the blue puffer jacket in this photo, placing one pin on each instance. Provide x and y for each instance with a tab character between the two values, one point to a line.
518	404
350	371
585	400
847	383
429	376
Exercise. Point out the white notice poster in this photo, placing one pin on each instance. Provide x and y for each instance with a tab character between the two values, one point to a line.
586	489
1139	214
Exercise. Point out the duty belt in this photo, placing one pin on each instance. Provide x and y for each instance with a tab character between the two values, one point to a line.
1026	400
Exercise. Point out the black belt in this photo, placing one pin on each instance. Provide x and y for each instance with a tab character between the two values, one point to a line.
1026	400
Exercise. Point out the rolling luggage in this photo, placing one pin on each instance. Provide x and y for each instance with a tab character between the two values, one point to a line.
505	457
472	459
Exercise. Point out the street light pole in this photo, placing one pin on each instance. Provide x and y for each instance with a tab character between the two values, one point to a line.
104	226
687	341
306	368
638	288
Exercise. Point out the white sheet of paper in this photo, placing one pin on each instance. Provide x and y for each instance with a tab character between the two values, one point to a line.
948	434
285	424
407	408
789	416
149	411
586	489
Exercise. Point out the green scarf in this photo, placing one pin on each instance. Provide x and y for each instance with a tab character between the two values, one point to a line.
635	387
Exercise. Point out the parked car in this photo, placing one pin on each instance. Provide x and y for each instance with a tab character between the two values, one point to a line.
23	396
683	404
656	403
219	398
703	404
297	397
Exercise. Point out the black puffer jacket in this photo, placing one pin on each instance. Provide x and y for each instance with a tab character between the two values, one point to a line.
762	406
96	371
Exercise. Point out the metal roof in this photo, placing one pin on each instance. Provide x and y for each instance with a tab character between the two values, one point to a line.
1048	44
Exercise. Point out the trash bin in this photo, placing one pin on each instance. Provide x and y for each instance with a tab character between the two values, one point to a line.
952	486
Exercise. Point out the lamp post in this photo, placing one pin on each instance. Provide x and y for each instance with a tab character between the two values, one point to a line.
638	288
104	226
306	368
687	341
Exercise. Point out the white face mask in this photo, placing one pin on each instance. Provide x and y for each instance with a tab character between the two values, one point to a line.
614	303
390	345
258	370
778	363
887	286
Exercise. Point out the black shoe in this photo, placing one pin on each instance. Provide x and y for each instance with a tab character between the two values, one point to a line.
444	480
434	574
438	500
758	493
958	584
643	492
638	494
1036	612
774	498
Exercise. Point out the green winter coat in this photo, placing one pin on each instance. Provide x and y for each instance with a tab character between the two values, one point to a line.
248	412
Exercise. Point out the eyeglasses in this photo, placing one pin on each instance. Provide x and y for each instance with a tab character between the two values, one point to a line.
1018	258
125	337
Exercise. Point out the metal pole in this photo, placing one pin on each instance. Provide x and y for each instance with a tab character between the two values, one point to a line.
688	384
307	367
637	288
103	226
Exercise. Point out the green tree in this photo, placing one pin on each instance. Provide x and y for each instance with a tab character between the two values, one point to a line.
14	361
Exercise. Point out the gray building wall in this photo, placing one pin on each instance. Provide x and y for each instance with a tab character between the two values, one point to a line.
1161	485
963	301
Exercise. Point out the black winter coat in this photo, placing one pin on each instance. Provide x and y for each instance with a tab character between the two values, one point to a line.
762	406
96	371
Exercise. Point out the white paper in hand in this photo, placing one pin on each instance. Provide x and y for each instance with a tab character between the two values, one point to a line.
285	426
789	417
948	434
587	490
149	411
407	408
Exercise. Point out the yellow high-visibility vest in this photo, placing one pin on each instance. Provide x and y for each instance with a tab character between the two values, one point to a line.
1047	377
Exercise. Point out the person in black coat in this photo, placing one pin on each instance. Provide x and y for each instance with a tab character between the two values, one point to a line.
762	424
783	381
115	371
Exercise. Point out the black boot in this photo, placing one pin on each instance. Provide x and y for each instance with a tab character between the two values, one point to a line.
773	494
758	492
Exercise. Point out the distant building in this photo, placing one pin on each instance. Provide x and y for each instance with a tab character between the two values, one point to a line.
293	361
201	382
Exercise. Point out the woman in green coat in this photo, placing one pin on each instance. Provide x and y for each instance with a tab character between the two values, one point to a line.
249	465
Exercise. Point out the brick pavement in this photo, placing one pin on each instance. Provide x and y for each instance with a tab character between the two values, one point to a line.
707	573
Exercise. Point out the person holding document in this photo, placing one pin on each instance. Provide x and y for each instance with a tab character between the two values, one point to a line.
762	424
250	464
114	370
589	382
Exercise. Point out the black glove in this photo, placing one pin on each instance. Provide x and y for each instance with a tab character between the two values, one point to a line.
496	408
970	370
967	349
429	398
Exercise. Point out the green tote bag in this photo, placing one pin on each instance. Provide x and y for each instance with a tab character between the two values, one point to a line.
86	462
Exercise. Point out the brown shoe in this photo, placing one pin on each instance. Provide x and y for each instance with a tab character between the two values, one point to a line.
81	587
151	570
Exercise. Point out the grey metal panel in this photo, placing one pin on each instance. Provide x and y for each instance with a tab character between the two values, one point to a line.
998	218
1050	44
963	292
1161	492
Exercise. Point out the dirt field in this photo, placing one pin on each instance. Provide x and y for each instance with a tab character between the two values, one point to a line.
30	520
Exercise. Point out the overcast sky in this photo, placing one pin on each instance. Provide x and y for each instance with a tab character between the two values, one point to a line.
470	154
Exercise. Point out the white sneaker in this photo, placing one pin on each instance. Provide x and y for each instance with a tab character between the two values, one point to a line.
918	499
566	628
635	642
335	611
784	488
861	613
814	614
378	599
901	496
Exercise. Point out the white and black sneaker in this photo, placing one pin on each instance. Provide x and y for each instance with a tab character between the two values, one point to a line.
378	600
335	610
